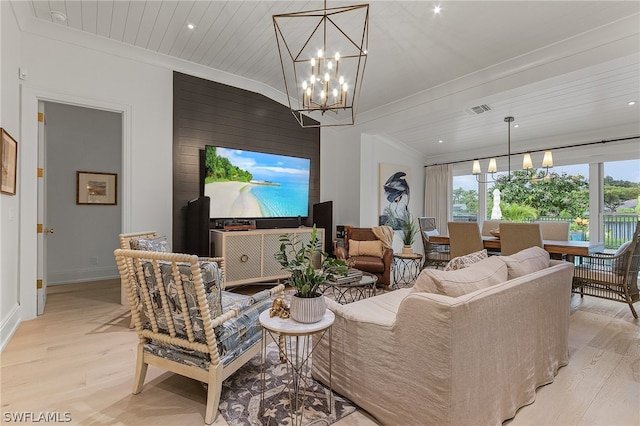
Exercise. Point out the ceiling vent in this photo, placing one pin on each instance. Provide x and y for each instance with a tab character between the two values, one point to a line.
477	110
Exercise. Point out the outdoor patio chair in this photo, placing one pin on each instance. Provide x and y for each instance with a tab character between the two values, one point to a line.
611	276
436	255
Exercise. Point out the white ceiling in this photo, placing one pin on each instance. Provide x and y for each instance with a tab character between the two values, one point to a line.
565	69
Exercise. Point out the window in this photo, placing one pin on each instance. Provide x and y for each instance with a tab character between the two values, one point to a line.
465	198
621	201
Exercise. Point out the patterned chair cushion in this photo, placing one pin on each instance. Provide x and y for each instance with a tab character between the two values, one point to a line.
160	244
211	277
235	336
240	333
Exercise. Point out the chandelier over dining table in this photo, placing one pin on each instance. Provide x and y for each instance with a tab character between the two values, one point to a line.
323	54
527	163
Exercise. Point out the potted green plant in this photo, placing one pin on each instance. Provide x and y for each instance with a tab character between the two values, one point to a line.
309	267
408	232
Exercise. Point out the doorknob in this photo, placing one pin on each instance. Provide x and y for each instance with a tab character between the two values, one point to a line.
49	230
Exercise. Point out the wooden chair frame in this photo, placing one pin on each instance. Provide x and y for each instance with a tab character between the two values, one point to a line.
129	261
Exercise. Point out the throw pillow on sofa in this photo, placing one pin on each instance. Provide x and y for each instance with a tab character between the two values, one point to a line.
462	262
526	261
485	273
365	248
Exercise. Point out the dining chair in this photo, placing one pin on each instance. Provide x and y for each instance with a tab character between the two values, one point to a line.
554	230
490	225
464	238
519	236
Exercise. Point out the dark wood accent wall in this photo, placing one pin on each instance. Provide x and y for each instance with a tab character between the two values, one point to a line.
210	113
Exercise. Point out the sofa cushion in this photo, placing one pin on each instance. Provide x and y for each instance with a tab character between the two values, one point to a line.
365	248
462	262
617	265
485	273
160	244
526	261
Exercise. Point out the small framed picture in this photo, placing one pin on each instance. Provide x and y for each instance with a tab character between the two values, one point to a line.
9	168
97	188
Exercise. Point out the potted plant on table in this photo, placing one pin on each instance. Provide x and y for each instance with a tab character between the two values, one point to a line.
309	267
408	231
579	228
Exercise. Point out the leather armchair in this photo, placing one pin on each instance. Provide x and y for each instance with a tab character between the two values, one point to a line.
379	266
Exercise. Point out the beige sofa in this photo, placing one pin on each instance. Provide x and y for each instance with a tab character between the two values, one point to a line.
411	357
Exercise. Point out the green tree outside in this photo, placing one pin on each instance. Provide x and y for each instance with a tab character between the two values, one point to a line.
220	169
557	195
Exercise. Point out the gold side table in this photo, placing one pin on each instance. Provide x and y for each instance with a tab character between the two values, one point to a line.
298	347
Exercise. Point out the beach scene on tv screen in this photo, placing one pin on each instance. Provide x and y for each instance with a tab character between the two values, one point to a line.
247	184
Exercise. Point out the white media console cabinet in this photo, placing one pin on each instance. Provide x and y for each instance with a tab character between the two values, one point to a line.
249	255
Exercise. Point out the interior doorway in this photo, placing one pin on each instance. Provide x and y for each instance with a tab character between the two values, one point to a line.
80	153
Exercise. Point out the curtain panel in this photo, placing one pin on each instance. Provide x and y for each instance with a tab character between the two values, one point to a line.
438	195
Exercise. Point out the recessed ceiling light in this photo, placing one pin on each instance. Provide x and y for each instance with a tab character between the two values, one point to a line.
437	9
632	103
440	141
516	125
58	16
191	26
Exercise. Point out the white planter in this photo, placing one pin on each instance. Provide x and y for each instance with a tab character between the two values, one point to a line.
307	309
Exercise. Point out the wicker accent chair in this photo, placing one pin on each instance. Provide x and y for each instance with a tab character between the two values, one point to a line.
612	277
464	238
515	237
186	323
436	255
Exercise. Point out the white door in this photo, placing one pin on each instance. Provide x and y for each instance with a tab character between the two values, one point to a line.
43	229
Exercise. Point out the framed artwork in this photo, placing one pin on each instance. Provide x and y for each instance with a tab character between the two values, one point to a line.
9	167
96	188
393	194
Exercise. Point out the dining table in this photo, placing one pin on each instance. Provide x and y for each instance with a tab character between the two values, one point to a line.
572	248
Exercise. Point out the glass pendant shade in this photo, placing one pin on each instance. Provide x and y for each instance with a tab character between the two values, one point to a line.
476	167
492	166
547	161
526	162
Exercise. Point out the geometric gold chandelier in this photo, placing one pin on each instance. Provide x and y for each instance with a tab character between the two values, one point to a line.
323	54
527	163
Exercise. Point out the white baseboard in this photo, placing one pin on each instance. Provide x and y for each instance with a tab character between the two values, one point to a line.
9	325
82	275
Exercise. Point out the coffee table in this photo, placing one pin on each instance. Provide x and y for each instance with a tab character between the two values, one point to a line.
351	292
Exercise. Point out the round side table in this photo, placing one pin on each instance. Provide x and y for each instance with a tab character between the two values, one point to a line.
406	268
296	347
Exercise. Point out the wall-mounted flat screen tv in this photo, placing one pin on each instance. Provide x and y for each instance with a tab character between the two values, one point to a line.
249	184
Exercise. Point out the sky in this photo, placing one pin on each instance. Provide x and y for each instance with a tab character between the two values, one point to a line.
618	170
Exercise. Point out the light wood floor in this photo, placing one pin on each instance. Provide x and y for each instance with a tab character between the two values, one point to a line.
79	358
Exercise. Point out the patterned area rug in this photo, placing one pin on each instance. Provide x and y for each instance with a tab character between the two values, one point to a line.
240	399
